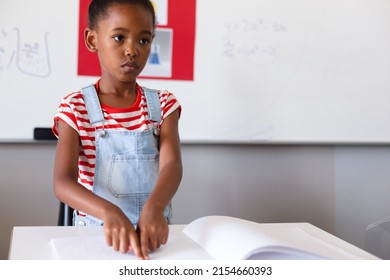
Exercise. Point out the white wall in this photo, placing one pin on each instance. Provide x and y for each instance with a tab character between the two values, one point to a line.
340	189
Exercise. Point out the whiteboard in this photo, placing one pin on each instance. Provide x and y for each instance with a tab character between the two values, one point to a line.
312	71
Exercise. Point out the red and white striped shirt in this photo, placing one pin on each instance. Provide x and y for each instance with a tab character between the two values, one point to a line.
72	110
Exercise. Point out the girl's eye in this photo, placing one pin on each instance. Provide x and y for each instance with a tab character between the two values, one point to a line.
145	41
118	38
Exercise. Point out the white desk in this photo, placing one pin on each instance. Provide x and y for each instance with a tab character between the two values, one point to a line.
28	243
35	243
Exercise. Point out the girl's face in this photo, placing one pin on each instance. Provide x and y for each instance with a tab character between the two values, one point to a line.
123	41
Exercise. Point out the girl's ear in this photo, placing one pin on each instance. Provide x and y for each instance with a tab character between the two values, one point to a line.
90	40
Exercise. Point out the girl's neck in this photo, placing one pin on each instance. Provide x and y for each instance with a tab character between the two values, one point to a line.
119	89
120	95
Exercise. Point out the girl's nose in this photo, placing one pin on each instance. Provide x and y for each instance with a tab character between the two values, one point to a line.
131	51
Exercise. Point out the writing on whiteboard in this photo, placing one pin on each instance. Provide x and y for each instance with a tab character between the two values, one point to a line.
256	40
30	56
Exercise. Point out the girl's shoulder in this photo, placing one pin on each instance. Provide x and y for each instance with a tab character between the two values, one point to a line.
162	93
75	96
166	96
169	102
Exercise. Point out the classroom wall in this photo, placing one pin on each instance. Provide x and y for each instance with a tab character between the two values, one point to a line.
340	189
312	71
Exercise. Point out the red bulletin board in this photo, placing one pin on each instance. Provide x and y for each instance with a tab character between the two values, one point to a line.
181	21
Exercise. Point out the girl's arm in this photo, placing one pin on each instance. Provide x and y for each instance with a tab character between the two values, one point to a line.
152	225
118	230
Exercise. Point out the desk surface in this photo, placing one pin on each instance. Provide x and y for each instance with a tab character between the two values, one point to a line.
28	243
35	243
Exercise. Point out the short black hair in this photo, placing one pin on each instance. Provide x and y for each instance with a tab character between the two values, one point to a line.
98	9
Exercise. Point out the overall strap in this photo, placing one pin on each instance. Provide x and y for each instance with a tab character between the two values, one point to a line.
95	112
92	103
154	106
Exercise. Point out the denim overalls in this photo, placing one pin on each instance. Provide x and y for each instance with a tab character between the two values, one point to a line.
127	162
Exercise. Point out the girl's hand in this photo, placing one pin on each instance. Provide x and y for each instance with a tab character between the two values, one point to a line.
152	230
120	233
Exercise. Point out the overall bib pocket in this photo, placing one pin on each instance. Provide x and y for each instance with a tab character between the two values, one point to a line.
132	175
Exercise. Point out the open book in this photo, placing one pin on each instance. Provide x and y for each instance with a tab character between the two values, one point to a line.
225	238
232	238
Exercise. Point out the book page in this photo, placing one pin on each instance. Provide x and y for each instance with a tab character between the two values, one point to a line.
232	238
226	237
179	246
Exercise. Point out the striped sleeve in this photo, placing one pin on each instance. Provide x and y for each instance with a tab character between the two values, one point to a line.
70	111
169	104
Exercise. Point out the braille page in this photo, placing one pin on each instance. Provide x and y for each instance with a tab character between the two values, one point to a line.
179	246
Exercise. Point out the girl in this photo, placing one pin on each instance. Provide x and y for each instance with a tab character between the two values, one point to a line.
118	158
